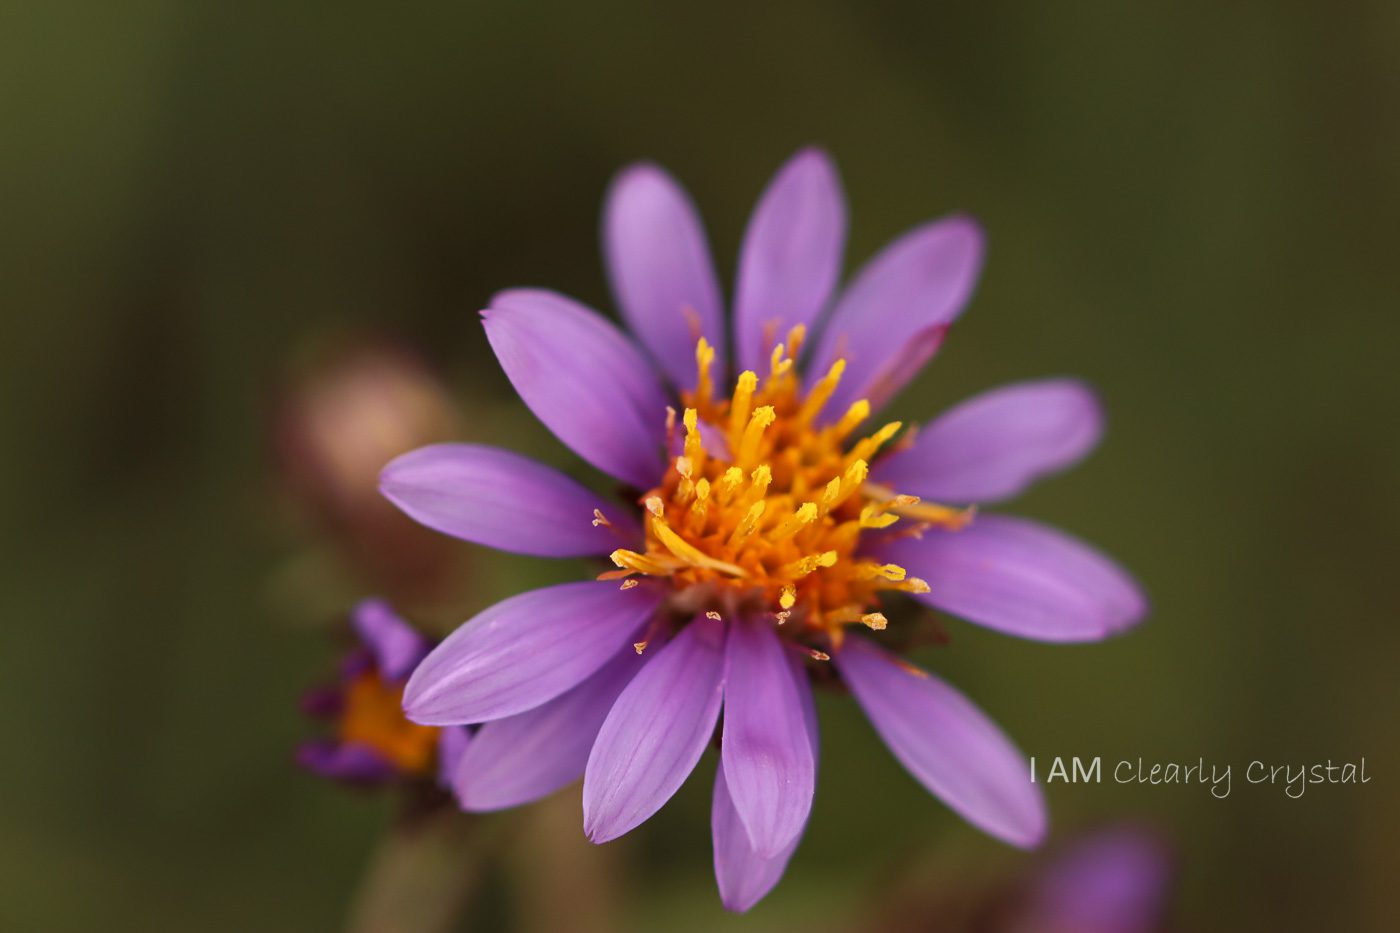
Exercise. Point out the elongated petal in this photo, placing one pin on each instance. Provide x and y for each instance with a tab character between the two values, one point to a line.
396	646
994	445
583	379
452	745
525	651
655	733
767	755
791	257
745	877
1022	578
661	271
892	317
949	745
503	500
533	754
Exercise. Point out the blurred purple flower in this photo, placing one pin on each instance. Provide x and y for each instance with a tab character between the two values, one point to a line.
766	528
1113	881
374	742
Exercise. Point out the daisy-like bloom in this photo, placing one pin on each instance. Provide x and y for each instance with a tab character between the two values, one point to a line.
373	742
764	517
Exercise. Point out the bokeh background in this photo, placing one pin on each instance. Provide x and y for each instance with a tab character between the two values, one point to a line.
1193	205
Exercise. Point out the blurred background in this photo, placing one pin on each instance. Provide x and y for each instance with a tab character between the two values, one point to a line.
208	208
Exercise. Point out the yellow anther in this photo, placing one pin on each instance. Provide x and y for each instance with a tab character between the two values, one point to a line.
704	361
852	419
747	525
639	646
714	616
742	406
700	508
870	571
728	484
818	655
794	523
753	434
600	519
686	488
806	565
641	563
942	516
759	481
816	398
772	501
865	448
873	517
694	444
629	584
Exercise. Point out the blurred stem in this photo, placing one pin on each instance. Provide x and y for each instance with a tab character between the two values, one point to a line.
423	874
563	882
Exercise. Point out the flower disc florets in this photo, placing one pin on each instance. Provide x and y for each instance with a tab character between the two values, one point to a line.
763	508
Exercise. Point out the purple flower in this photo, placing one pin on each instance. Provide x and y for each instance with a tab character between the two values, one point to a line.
1113	881
771	521
374	742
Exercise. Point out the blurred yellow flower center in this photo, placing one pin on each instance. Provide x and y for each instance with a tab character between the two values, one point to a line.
764	507
373	717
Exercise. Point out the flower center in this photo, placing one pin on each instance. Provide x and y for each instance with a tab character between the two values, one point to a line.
763	508
373	716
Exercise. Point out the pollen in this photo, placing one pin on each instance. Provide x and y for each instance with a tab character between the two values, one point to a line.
762	510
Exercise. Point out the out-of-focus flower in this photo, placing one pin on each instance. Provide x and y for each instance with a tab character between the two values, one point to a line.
1116	879
343	414
373	741
1113	881
771	521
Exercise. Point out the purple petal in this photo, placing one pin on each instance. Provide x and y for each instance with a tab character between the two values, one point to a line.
503	500
661	271
745	877
655	733
945	742
791	257
397	647
583	379
892	317
525	651
767	754
1021	578
1113	882
344	761
452	744
996	444
531	755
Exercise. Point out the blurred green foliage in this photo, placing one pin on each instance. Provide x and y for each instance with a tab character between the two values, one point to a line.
1192	205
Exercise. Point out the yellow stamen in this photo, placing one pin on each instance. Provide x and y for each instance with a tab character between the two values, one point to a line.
753	434
816	399
770	517
742	404
704	361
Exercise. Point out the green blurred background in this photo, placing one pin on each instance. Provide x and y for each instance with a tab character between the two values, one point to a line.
1195	206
